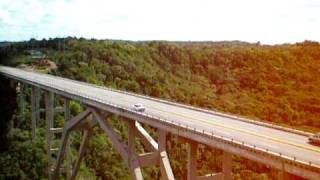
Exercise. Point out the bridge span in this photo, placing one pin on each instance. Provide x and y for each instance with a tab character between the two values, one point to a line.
279	147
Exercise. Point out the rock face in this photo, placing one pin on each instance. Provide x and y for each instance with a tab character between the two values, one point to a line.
22	66
44	65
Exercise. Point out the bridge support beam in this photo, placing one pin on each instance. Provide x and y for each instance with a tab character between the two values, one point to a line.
67	117
38	101
114	137
192	160
12	83
227	165
22	99
165	167
149	158
282	175
49	101
127	151
35	109
33	112
70	126
82	151
134	167
149	143
192	165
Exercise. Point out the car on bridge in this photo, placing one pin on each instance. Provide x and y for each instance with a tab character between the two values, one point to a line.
315	139
139	107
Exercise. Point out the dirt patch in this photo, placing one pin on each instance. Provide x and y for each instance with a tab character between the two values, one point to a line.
44	65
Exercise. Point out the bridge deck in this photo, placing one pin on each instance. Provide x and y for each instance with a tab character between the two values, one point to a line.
275	140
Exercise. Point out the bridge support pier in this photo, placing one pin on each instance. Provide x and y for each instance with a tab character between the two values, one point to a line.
22	99
283	175
227	165
134	167
165	168
12	83
76	123
192	160
83	147
67	117
35	109
49	101
226	173
158	154
33	112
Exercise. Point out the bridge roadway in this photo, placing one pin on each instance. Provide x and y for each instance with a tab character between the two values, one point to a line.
288	144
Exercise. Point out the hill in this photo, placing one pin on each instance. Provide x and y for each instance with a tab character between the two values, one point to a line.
278	84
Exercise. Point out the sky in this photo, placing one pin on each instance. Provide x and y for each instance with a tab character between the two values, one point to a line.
267	21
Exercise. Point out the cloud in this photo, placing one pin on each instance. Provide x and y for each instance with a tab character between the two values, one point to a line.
273	21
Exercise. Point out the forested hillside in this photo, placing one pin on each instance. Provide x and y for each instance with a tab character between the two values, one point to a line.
278	84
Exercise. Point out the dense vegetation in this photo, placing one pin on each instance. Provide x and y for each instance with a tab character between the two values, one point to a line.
278	84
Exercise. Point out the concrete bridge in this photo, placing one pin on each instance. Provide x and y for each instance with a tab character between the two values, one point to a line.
284	149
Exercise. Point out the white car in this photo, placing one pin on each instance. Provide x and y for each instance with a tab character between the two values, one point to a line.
315	139
139	107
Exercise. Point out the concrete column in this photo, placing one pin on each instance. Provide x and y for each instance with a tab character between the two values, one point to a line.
38	99
282	175
67	117
131	147
165	167
162	140
49	99
192	160
33	112
134	170
81	153
21	102
227	166
12	83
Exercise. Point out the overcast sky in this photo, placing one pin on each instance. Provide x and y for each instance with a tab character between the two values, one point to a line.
268	21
